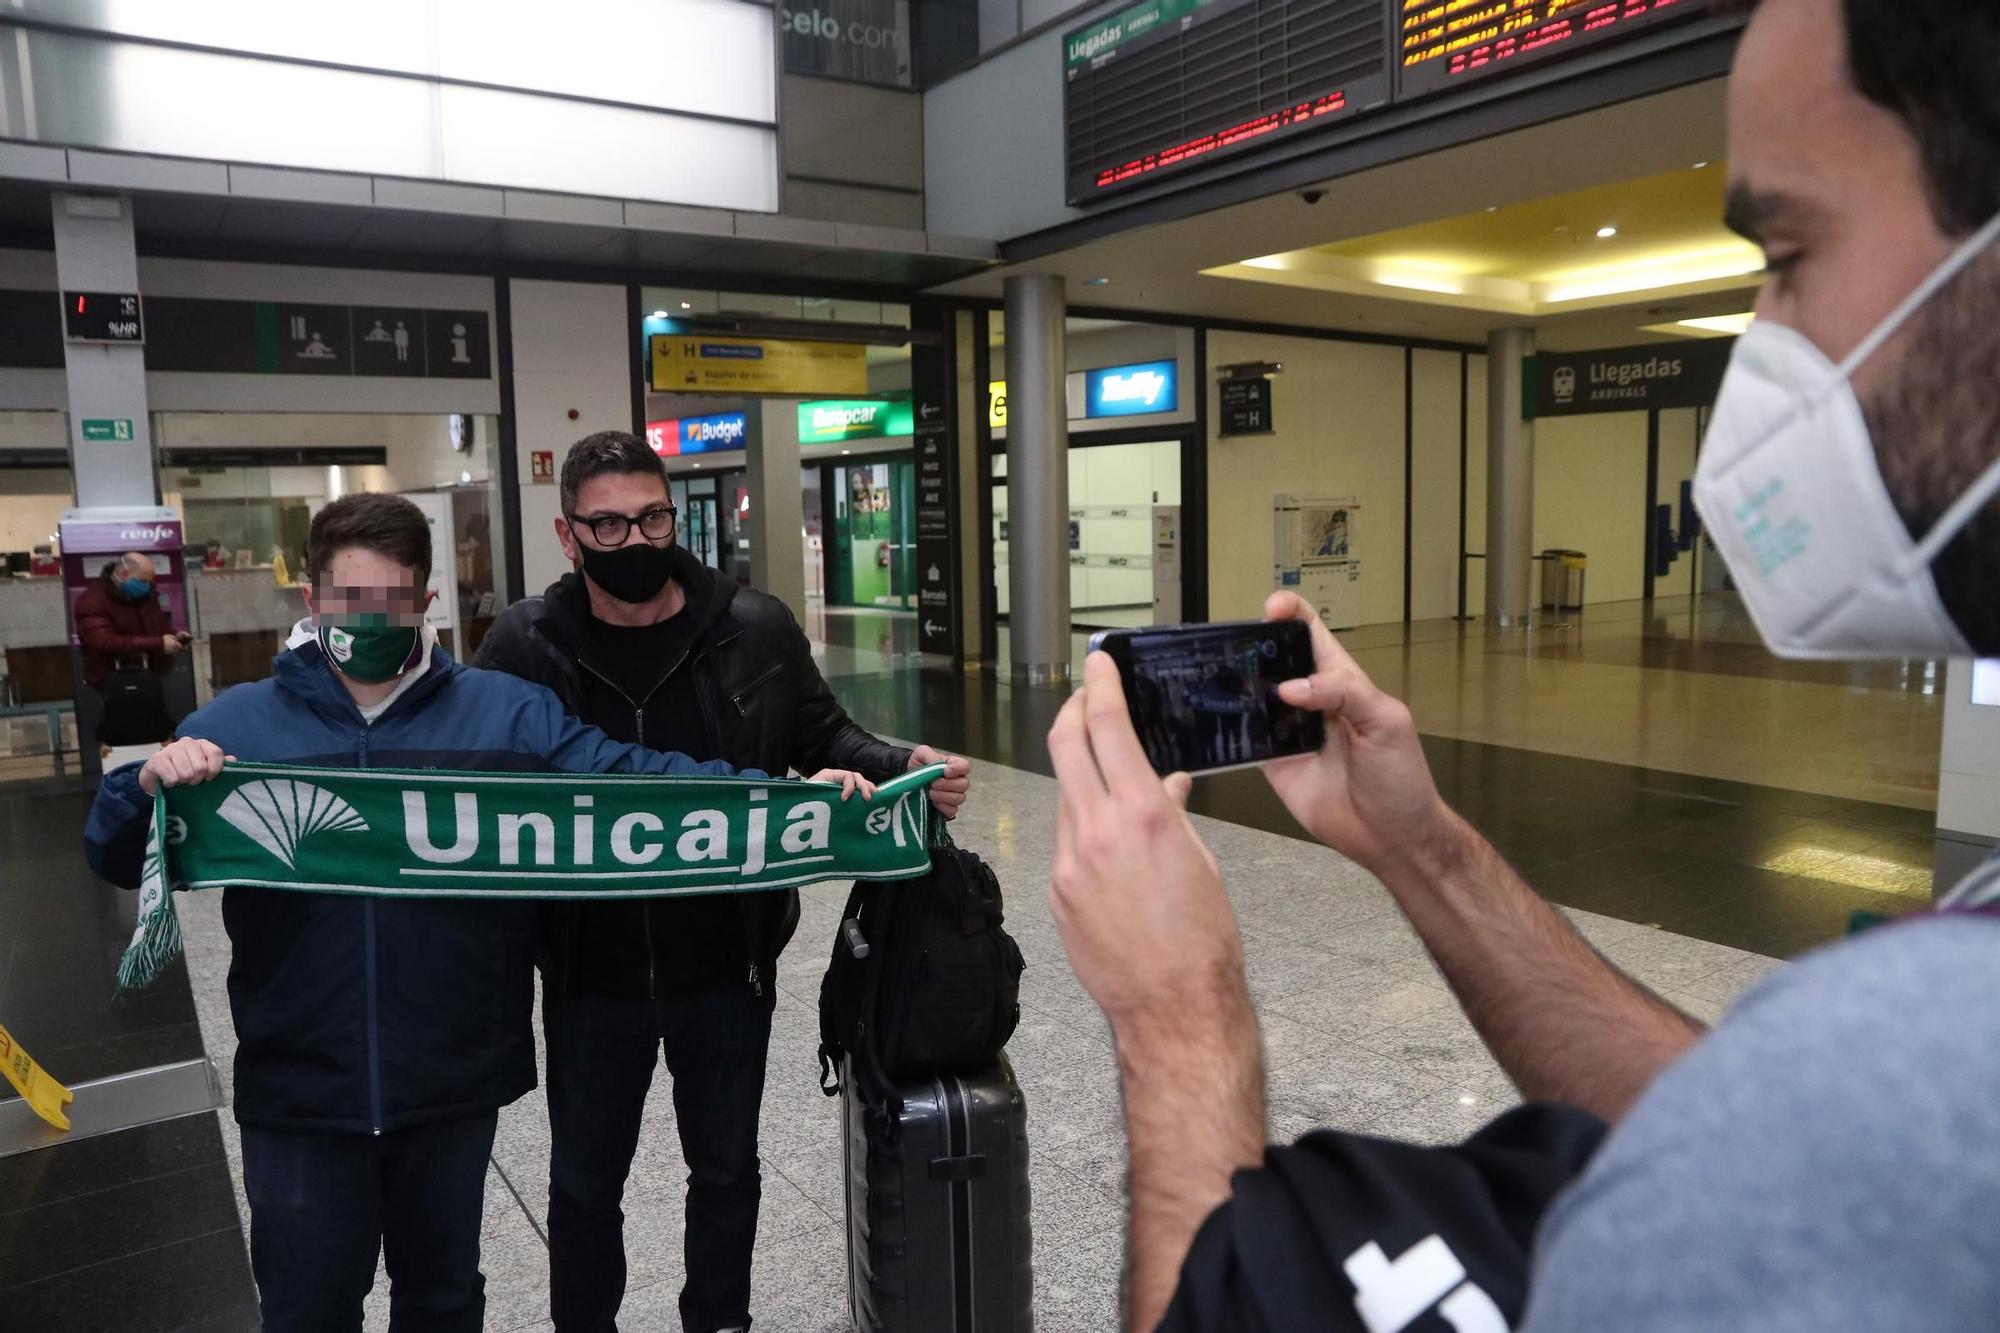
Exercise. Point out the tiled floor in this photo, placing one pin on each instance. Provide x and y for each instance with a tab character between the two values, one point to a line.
1359	1030
1726	859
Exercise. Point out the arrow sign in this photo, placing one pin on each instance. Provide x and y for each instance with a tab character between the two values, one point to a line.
932	627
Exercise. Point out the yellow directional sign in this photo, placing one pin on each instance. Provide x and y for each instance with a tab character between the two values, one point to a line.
45	1097
700	363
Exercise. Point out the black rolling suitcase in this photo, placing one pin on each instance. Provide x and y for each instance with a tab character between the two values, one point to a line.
937	1205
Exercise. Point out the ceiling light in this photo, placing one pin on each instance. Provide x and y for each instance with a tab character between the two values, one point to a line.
661	314
1719	323
1701	166
1606	233
687	305
1443	284
846	451
1095	282
697	465
1735	261
1493	208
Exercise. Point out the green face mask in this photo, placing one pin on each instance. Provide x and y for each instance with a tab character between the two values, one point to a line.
370	649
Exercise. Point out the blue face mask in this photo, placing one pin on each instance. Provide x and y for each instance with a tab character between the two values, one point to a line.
134	589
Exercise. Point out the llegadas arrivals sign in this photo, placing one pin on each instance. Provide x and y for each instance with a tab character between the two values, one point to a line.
1627	379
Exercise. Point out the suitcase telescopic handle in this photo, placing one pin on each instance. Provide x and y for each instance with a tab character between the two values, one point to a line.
957	1170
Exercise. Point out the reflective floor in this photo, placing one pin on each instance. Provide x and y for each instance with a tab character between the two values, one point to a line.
1661	768
1699	808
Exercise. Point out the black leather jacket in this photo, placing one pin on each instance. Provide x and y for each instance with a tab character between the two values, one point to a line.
764	702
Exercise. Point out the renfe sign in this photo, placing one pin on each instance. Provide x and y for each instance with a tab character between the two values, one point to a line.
698	435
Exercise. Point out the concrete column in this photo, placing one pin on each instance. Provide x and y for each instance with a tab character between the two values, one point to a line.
1037	480
95	253
777	505
1510	480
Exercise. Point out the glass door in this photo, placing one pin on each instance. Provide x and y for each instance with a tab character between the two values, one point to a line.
695	498
1112	491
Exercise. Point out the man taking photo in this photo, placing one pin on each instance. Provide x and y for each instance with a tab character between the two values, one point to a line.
646	642
1820	1160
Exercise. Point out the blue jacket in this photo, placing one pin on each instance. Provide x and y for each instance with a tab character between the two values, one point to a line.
369	1014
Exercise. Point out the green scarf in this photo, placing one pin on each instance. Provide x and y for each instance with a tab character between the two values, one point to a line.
395	833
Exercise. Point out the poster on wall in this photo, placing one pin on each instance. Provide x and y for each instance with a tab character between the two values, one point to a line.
1313	539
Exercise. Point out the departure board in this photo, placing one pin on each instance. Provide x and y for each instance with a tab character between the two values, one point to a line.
1445	43
1164	86
1171	84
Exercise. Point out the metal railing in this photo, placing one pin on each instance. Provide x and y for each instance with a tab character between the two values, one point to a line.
52	715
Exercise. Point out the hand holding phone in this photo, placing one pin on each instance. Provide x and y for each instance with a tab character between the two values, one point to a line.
1205	697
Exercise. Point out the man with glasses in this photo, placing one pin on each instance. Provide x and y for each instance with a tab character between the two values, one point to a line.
646	642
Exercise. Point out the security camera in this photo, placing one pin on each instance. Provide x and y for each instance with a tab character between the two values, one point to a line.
1311	197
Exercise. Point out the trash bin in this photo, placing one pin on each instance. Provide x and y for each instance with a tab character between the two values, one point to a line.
1562	580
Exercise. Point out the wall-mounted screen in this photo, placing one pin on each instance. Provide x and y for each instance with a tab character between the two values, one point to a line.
1168	85
1444	43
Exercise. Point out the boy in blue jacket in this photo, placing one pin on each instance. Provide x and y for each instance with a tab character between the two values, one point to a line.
376	1038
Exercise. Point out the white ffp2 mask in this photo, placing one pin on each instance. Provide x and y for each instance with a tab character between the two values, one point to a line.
1791	495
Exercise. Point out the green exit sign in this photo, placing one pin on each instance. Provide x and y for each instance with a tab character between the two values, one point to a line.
108	428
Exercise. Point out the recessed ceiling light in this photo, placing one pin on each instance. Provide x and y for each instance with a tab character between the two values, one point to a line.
1719	323
1095	282
697	465
847	451
1700	166
1493	208
661	314
687	305
1606	233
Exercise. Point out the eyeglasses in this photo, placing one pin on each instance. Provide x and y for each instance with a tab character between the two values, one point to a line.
613	529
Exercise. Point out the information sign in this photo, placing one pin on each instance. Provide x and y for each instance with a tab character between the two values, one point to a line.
705	363
1246	407
108	428
1444	43
1628	379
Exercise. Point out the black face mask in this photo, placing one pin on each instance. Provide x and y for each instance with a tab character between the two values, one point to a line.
629	573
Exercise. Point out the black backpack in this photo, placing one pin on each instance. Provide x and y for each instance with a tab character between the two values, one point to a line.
135	709
923	979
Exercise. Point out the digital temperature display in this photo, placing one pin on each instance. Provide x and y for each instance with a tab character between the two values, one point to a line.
103	317
1444	43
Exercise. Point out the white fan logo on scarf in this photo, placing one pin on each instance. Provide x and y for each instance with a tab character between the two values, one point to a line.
278	814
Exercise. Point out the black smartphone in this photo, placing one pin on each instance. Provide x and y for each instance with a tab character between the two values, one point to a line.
1205	697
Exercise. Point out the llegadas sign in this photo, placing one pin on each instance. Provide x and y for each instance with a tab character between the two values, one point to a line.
698	435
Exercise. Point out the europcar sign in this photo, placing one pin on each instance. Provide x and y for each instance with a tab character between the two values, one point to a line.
833	420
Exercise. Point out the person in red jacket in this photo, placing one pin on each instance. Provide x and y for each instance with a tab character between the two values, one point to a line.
119	616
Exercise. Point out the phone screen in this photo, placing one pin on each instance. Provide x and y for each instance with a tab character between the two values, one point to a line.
1204	697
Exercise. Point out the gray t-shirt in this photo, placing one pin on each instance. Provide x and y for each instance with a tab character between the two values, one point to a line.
1827	1159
